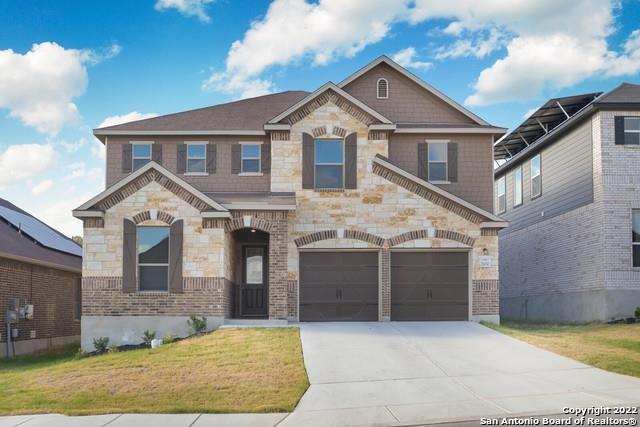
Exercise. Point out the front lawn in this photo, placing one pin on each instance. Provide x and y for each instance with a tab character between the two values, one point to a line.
614	347
230	370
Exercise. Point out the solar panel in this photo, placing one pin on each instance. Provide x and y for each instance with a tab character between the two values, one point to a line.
40	232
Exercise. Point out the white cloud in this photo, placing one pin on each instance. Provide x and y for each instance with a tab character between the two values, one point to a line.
58	214
477	46
189	8
79	170
629	61
42	187
40	86
125	118
98	150
407	58
73	146
529	112
295	29
20	162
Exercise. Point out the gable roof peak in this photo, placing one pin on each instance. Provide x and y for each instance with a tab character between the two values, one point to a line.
408	74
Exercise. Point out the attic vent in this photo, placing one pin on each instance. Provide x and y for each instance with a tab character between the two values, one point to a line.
383	89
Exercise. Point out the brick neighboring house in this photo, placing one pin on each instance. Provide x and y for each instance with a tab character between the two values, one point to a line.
36	273
366	200
571	192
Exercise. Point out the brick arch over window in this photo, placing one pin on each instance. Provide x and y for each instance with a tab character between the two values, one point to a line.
438	234
333	234
147	215
257	223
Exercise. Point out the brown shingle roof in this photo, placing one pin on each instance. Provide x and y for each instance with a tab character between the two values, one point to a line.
20	246
625	93
246	114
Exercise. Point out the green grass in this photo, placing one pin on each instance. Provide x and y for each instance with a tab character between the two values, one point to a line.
615	347
230	370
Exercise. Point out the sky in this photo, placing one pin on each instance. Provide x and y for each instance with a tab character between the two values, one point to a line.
69	66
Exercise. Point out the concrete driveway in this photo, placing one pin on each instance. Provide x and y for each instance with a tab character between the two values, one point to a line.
420	372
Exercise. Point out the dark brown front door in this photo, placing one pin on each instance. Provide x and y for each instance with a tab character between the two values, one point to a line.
254	281
338	286
429	286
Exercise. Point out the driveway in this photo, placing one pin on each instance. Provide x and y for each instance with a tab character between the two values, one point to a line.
420	372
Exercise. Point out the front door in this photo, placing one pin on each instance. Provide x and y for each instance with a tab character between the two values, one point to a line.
254	281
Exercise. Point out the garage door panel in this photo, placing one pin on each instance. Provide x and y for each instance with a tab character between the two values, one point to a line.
338	286
429	286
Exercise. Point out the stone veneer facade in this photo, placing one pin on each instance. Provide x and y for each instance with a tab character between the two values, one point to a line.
383	214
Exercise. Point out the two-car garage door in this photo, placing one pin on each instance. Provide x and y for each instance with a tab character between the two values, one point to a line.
341	286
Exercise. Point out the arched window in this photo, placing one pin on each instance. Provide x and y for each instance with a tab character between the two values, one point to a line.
383	89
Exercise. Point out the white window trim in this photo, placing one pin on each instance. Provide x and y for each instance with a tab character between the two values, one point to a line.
133	154
187	172
259	158
515	186
315	163
378	88
147	264
446	161
534	196
504	193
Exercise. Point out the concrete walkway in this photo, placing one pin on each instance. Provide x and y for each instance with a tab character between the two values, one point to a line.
423	372
408	373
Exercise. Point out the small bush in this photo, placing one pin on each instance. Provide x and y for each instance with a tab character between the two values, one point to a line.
169	338
637	312
101	344
197	324
148	337
81	354
114	348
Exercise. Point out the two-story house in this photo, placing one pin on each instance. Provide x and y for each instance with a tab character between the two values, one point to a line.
570	189
368	200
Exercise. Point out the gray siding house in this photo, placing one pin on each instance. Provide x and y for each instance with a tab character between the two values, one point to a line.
570	190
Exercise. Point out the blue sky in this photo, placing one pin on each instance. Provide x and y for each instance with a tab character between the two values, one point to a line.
67	66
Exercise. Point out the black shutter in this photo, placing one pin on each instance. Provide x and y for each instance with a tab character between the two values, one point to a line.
175	257
308	161
235	159
156	153
619	129
181	165
423	160
212	153
452	161
129	256
351	161
265	156
126	158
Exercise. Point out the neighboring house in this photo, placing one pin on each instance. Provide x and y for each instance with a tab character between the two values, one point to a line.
366	200
570	190
41	267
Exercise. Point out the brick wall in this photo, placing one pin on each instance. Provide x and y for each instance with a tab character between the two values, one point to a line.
52	293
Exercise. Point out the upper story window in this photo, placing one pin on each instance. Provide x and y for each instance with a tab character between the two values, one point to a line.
536	177
632	130
141	154
153	258
382	89
635	237
517	186
196	157
250	158
502	195
437	159
329	163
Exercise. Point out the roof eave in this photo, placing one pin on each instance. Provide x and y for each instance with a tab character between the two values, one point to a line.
107	132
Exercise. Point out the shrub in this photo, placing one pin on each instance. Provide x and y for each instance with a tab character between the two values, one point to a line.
81	354
114	348
197	324
169	338
101	344
638	312
148	337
